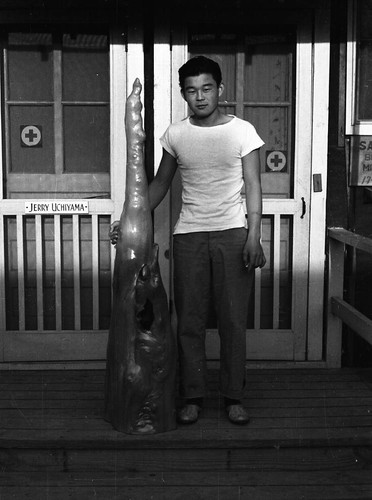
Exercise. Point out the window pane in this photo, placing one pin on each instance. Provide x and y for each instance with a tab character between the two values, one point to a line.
267	69
364	61
276	155
272	119
31	139
86	138
85	68
30	67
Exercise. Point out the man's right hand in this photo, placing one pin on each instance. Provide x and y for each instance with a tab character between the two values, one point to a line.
114	232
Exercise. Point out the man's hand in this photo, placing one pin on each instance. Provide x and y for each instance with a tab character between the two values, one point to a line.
114	232
253	254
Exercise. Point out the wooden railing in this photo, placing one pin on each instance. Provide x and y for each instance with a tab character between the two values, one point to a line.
53	267
340	311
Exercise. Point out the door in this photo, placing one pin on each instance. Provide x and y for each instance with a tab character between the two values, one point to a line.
56	113
63	146
272	77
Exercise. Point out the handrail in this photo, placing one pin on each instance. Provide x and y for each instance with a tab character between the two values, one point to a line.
352	239
339	311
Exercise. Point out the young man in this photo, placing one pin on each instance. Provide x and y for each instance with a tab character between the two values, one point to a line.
213	250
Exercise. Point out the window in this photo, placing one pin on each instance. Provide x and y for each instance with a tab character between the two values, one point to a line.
359	68
57	113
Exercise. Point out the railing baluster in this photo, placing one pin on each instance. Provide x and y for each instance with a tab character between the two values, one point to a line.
21	272
58	271
276	271
76	267
95	271
2	282
257	299
39	272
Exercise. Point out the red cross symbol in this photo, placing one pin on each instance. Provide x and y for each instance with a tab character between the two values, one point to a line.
276	160
30	135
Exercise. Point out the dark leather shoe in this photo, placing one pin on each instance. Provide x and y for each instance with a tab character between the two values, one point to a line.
189	414
237	414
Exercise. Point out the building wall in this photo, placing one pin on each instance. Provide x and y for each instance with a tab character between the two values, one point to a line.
346	207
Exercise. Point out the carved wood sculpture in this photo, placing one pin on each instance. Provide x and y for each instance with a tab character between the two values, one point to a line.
141	356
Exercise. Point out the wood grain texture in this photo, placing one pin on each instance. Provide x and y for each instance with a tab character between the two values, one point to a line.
141	359
310	436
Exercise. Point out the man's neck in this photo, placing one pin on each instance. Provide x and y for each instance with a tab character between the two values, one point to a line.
213	120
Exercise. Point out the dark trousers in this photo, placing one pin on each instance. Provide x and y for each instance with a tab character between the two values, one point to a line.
205	262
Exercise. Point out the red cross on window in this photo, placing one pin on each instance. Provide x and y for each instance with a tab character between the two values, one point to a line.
31	135
276	160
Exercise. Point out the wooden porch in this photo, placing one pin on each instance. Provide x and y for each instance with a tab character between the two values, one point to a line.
310	437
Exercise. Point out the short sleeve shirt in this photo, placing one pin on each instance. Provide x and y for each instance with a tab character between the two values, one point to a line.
210	164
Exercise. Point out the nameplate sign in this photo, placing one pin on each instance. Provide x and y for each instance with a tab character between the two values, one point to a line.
56	207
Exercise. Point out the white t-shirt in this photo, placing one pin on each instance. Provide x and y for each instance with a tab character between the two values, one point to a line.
209	159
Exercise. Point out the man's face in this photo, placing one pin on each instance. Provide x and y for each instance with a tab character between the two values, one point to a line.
201	94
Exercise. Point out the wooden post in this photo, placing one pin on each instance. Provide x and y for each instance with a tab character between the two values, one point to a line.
335	289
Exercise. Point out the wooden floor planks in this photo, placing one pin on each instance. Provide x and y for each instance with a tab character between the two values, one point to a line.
310	437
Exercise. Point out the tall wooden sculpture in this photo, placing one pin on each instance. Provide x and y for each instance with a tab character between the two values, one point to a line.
141	356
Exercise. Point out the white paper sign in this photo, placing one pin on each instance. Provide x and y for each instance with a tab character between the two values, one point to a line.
361	161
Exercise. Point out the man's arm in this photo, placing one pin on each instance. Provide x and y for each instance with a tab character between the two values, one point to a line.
162	180
253	255
157	189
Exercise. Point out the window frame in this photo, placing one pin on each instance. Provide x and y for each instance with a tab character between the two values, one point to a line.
352	125
72	184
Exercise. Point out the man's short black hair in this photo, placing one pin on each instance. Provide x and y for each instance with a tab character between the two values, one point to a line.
198	65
